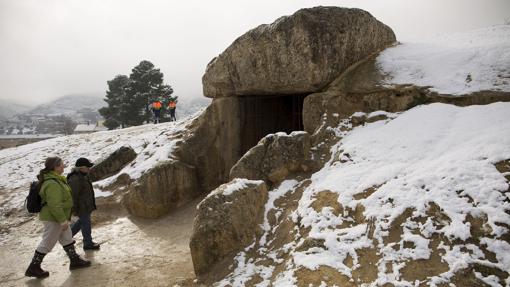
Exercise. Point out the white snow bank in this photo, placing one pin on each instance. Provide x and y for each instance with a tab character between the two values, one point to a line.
444	63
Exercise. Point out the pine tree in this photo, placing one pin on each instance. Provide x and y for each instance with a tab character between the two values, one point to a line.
129	98
114	113
146	86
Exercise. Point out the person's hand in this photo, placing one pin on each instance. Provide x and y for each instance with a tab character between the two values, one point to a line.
65	225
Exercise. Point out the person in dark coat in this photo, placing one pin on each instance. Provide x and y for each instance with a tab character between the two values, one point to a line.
84	201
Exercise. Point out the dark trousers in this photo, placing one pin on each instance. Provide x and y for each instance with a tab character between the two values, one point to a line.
83	224
157	114
172	115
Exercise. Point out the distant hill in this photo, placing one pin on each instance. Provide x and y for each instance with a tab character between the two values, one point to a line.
10	108
68	105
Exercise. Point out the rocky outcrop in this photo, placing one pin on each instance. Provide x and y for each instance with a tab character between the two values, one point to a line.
361	88
275	157
162	189
113	163
297	54
227	220
268	62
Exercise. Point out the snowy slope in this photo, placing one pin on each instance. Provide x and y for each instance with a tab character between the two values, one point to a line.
152	143
445	62
437	154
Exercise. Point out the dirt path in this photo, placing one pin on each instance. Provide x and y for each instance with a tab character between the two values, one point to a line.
134	252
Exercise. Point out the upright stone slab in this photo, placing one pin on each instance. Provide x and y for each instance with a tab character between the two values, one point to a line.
226	221
162	189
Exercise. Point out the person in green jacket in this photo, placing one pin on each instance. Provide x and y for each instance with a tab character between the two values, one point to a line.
55	215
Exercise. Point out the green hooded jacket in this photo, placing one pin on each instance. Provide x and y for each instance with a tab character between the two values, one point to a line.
56	198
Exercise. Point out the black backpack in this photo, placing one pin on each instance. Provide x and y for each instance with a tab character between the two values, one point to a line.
33	201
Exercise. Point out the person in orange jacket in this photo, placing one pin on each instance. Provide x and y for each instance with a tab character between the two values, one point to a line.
171	107
156	109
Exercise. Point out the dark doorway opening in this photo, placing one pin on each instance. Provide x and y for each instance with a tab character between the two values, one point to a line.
269	114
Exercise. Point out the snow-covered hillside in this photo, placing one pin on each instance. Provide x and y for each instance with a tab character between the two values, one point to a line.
9	108
453	64
437	157
68	105
152	143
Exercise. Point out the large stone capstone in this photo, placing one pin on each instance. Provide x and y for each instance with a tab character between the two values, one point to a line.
297	54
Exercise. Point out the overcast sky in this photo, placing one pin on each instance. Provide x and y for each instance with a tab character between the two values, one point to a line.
51	48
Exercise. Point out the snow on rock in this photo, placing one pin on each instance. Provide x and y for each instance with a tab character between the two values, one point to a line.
426	175
236	184
469	62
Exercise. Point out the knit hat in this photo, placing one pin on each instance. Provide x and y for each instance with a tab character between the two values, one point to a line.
83	162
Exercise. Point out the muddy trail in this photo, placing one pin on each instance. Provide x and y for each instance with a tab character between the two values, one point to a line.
134	251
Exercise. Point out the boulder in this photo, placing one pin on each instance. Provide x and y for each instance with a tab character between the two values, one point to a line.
274	157
297	54
161	189
226	222
113	163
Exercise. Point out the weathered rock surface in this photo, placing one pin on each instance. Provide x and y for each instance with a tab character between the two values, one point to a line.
212	144
162	189
274	158
227	220
113	163
297	54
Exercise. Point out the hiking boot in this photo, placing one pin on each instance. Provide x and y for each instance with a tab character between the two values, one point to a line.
76	260
34	269
93	246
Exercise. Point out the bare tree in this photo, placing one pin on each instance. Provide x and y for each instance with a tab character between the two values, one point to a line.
69	126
